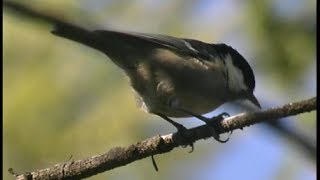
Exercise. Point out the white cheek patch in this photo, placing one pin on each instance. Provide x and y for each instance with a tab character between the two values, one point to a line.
236	80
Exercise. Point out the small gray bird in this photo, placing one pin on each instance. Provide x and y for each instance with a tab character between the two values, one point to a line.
172	77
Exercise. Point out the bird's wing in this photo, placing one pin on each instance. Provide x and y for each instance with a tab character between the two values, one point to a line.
189	47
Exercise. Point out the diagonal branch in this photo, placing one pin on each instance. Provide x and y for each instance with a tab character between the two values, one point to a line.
120	156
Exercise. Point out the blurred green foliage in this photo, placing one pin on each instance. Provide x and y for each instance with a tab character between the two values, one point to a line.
63	99
287	48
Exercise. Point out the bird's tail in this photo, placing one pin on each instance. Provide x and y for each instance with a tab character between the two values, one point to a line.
78	34
111	43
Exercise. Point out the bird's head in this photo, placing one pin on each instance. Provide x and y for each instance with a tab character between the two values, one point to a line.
240	77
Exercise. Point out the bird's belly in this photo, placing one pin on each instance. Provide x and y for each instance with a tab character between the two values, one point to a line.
196	104
165	87
171	105
167	100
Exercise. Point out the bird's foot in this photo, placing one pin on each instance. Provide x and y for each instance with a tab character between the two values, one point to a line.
185	137
212	123
182	133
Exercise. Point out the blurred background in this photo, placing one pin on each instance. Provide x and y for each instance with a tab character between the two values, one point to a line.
63	99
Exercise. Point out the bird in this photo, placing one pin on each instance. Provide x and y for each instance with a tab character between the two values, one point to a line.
172	77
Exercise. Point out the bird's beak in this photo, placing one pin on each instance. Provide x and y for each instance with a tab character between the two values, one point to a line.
254	100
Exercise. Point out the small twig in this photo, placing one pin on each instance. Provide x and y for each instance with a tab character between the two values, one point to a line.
154	163
120	156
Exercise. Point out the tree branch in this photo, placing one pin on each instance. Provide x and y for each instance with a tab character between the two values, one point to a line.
120	156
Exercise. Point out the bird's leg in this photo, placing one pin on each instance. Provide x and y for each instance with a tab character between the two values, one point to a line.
180	128
175	124
210	122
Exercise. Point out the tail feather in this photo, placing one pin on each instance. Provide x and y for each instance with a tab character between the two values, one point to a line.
78	34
